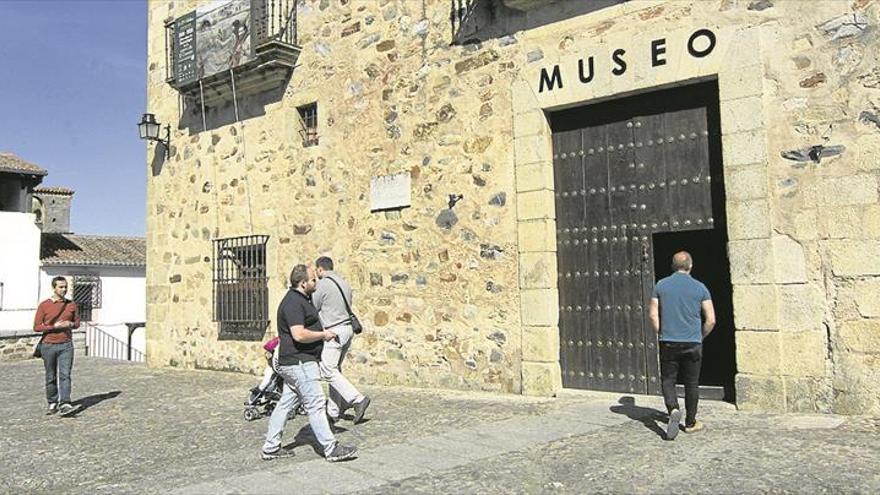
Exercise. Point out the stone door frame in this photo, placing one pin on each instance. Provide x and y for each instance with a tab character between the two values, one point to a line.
737	64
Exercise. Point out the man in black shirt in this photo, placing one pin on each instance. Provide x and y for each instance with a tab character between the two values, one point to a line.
301	339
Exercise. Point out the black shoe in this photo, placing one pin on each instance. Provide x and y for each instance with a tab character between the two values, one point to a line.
341	453
360	409
278	454
255	392
52	409
672	426
67	409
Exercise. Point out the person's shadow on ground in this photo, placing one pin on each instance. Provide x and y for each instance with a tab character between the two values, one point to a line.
305	436
648	416
87	402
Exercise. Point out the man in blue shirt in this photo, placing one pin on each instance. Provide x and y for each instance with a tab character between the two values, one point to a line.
682	314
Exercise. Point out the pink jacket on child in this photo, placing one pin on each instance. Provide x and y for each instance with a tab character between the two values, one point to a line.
271	345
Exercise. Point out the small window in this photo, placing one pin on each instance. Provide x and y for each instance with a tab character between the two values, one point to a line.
86	295
241	287
308	121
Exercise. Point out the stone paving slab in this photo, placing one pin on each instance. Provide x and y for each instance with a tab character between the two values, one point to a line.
162	431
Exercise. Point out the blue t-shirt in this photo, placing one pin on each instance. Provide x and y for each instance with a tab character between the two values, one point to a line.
681	297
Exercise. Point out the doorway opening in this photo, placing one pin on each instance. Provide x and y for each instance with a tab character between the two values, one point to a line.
637	179
711	267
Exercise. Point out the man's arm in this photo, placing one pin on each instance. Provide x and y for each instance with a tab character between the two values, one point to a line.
319	295
38	321
708	316
303	336
41	327
74	324
654	314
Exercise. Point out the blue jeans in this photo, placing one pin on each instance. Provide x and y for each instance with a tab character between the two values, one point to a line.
58	361
305	378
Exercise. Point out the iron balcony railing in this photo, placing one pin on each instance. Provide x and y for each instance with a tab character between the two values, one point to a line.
271	22
99	343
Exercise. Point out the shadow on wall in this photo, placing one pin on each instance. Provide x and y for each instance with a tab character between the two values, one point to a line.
222	109
160	151
475	21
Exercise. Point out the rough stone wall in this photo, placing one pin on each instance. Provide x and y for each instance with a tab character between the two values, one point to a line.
443	302
16	346
822	88
56	212
438	293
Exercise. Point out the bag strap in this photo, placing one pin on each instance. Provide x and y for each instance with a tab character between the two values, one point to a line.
43	334
55	318
344	300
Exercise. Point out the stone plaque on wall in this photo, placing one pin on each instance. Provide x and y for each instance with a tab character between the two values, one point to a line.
390	192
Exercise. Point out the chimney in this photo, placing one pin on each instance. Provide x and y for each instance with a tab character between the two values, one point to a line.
55	209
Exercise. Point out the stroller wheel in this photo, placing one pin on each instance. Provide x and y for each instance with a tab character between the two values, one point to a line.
251	414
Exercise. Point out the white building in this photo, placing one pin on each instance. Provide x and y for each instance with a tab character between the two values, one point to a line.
106	274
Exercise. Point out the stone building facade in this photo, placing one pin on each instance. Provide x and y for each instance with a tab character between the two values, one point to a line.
465	97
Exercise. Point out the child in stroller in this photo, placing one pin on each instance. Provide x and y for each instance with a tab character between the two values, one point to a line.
263	398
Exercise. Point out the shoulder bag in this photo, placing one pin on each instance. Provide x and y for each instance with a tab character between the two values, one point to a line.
356	326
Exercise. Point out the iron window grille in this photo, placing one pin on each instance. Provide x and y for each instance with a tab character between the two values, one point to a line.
308	121
86	295
241	287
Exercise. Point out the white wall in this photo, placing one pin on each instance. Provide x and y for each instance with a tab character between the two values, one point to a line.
19	270
123	298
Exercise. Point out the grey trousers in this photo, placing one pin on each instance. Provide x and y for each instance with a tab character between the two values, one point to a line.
342	392
58	361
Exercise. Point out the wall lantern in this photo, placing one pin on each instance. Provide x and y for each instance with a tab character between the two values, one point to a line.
149	130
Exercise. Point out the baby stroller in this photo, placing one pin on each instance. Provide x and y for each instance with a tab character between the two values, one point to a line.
263	398
261	402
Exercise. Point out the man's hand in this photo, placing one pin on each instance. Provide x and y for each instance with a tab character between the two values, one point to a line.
63	324
328	335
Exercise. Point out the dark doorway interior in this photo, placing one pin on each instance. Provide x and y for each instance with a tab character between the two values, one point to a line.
708	248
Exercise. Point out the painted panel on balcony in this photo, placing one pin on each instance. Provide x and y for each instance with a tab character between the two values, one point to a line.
223	34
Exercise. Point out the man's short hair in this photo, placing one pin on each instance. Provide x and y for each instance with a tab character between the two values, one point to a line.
57	280
682	261
324	262
299	274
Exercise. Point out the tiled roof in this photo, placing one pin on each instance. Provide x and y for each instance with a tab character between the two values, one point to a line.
53	190
11	163
73	249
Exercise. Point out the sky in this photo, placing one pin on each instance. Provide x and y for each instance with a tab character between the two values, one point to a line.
72	90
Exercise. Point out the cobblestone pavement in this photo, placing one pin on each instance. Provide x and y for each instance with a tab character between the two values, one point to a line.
158	431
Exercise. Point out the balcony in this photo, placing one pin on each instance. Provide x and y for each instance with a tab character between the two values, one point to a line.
475	21
231	48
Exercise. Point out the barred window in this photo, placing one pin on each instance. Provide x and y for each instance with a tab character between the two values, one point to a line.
241	287
86	295
308	120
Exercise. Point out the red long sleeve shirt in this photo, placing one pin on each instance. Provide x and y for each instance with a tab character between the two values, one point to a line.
51	311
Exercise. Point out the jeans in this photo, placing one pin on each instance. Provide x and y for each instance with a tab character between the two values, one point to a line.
342	392
58	361
681	360
306	378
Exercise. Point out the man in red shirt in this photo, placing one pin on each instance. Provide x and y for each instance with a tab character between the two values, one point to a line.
56	317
